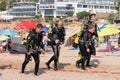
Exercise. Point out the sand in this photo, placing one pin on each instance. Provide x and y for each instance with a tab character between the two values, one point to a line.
105	66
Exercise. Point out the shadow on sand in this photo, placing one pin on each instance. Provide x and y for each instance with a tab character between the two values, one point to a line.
0	74
41	71
102	50
62	65
6	66
95	63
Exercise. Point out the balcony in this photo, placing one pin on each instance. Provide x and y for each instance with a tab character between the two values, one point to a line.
66	10
47	6
22	12
17	4
61	14
24	7
49	15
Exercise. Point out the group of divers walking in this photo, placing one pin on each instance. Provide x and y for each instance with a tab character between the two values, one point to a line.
56	37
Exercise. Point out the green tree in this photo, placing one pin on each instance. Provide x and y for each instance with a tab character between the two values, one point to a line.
83	14
111	18
38	17
32	0
36	0
3	5
48	19
117	6
11	1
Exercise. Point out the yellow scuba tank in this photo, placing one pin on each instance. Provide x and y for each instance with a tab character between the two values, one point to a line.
49	31
76	40
25	37
79	56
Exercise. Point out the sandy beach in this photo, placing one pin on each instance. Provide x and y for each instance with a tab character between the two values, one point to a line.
105	66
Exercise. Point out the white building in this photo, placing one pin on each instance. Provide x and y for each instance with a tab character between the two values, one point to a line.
58	8
23	9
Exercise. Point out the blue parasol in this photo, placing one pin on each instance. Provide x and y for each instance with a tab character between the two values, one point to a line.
8	33
45	29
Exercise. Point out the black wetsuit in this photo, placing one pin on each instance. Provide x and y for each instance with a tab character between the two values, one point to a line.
84	44
93	50
34	40
56	34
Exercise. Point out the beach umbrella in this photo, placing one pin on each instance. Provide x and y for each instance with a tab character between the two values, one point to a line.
103	26
110	26
3	37
8	32
26	25
74	25
108	31
107	26
45	29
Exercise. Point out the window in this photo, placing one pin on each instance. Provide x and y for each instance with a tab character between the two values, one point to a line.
85	6
71	0
88	0
112	8
93	1
69	6
47	1
61	8
106	7
49	12
99	0
111	0
79	6
51	6
105	0
101	7
96	7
